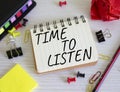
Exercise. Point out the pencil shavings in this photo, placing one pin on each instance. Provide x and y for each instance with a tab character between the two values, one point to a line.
106	10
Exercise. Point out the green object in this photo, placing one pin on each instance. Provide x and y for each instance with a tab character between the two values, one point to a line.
7	24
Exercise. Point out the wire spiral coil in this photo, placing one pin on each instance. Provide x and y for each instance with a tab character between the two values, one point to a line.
61	23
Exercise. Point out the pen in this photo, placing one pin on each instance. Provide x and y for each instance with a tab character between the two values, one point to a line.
107	70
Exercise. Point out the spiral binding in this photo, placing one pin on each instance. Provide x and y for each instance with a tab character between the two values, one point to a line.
61	22
41	27
55	24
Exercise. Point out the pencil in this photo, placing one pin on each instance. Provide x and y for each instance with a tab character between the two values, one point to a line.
96	88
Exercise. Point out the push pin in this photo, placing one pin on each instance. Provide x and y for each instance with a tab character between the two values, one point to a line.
62	3
101	36
13	52
18	26
80	74
13	32
24	21
69	80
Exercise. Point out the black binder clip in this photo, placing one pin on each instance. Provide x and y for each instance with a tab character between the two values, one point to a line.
102	35
14	51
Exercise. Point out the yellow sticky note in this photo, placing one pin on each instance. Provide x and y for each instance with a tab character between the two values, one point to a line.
17	80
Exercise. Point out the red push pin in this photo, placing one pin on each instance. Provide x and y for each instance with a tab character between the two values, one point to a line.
18	26
69	80
62	3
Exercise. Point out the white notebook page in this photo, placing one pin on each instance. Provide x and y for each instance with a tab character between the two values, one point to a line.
63	47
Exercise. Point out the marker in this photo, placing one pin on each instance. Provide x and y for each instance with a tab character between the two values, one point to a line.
1	30
19	14
13	18
7	24
107	70
24	8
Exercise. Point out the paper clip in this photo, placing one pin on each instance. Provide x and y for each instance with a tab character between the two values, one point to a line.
104	57
26	36
94	77
107	33
90	88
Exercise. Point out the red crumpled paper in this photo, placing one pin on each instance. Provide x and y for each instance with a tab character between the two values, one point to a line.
105	10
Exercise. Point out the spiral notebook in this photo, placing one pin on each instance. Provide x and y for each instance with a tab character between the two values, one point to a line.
65	44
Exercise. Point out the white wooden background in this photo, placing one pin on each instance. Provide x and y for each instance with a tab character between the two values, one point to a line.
49	10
